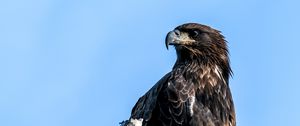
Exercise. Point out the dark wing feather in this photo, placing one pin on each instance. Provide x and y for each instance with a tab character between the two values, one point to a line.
214	107
174	100
147	103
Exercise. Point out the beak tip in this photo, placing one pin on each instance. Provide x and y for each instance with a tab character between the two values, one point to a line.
167	46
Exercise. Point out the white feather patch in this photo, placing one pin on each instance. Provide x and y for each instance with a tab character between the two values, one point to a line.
192	102
219	73
136	122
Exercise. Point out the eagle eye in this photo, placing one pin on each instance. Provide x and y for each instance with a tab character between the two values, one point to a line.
194	33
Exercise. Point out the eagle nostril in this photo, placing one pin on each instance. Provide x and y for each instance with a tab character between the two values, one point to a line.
177	32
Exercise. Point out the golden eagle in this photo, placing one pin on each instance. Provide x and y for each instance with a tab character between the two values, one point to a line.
196	92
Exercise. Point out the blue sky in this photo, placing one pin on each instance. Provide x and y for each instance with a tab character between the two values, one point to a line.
85	63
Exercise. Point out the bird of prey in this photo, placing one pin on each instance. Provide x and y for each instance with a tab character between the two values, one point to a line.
196	92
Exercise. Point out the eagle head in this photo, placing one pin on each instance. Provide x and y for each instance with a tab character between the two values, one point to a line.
197	41
200	43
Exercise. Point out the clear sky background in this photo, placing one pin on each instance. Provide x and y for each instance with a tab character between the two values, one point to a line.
86	62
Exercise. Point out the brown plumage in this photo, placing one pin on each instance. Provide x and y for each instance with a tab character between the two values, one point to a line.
196	92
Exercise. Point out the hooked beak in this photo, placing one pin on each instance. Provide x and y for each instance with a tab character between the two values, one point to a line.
172	38
176	37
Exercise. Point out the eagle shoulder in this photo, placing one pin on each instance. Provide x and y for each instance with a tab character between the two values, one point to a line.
146	104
